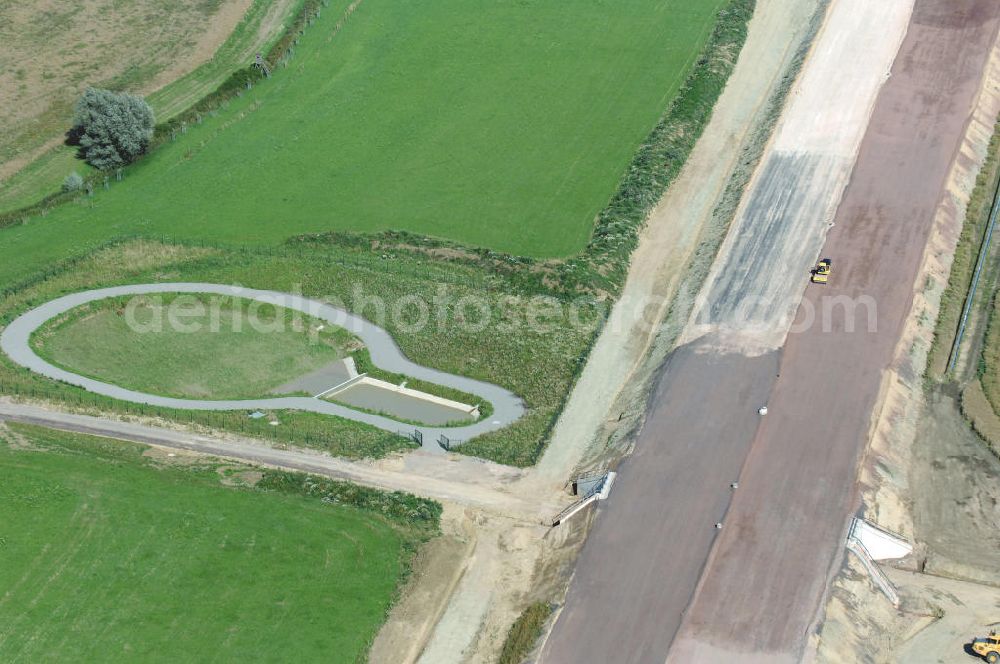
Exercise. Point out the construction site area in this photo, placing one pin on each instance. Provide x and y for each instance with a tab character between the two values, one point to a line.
782	445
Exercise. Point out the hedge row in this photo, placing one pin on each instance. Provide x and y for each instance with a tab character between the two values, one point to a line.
395	505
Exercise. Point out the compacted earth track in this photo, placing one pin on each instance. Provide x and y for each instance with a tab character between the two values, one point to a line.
656	580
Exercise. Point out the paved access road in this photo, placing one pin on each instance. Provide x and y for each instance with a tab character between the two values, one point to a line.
655	579
507	407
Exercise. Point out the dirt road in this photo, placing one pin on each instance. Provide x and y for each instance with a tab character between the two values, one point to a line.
451	479
646	550
965	610
757	281
767	574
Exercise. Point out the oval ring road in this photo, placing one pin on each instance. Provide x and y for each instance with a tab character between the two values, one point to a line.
385	354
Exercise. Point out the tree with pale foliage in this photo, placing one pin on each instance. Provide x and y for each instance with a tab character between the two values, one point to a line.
111	128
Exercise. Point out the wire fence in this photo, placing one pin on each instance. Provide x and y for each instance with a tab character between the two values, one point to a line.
971	296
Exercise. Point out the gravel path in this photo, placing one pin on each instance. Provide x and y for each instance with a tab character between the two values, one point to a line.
465	481
507	407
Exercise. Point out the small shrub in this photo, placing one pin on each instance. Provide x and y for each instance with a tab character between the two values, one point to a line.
73	182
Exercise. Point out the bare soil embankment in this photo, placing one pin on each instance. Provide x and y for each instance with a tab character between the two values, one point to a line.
695	205
695	209
703	411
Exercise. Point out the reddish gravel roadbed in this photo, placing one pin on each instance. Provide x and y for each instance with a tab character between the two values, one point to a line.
768	572
641	561
761	579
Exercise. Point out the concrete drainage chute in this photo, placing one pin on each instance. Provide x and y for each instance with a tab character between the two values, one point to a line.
870	544
592	487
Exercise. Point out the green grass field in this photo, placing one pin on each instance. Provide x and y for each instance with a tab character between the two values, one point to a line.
109	555
260	27
235	350
505	125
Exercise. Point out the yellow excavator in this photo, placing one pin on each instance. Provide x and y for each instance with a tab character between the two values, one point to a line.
988	648
821	273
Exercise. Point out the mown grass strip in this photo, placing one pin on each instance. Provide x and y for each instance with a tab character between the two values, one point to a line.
236	53
234	83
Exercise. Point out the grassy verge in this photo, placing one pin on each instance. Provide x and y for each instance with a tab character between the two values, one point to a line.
113	554
979	383
980	413
264	24
524	633
966	252
989	368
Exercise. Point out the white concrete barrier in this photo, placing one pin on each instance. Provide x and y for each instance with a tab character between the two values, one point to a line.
878	542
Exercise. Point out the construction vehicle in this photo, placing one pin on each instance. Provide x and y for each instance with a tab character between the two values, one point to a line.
988	648
821	272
